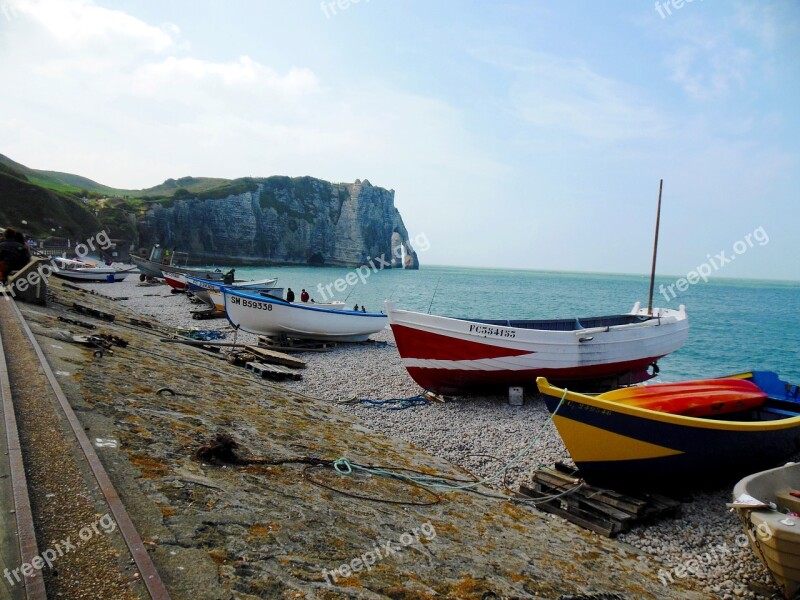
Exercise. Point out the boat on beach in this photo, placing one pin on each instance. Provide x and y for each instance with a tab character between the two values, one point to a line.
265	315
774	536
468	356
678	435
161	262
210	292
77	270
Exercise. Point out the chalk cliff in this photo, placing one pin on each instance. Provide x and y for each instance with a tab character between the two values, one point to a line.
283	220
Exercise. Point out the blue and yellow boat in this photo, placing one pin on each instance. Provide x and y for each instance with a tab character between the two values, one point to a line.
678	436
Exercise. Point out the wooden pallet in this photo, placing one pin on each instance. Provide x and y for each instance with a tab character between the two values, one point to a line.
284	344
275	358
276	372
600	510
208	313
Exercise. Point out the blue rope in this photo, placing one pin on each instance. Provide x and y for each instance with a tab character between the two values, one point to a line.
344	466
395	403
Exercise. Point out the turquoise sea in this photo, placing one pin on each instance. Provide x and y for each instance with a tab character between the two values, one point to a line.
735	325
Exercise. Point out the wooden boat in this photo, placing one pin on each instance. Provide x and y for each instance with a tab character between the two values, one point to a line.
463	356
161	261
210	292
749	421
266	315
774	536
77	270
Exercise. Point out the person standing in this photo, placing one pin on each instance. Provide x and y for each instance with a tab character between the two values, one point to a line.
290	295
304	296
13	254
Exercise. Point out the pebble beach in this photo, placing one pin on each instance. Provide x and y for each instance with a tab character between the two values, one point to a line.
703	542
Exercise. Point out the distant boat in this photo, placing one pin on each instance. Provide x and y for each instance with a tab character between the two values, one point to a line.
678	435
774	536
76	270
162	261
265	315
468	356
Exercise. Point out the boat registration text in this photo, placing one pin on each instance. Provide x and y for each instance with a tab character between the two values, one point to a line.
251	303
495	331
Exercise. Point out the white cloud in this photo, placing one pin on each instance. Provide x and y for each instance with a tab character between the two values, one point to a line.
568	95
707	72
245	72
81	23
137	106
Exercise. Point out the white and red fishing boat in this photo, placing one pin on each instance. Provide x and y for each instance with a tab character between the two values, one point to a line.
464	356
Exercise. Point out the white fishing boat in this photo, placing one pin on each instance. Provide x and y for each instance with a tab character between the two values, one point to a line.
210	292
78	270
767	503
462	356
265	315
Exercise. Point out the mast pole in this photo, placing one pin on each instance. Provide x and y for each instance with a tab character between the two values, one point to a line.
655	250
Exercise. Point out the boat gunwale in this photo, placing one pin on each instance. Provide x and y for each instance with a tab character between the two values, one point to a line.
672	317
653	415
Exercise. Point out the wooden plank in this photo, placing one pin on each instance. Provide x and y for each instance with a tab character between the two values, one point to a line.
604	528
583	501
276	358
611	498
97	314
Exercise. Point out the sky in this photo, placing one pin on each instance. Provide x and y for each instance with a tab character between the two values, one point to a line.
516	134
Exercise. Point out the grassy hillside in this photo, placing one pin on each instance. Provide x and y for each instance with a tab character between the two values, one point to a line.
43	209
78	185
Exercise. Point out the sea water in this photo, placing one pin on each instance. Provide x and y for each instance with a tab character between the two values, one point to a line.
735	325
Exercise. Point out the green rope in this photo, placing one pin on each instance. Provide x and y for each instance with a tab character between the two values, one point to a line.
344	466
395	403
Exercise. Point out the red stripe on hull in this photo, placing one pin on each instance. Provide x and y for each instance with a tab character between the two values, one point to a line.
175	284
415	343
467	382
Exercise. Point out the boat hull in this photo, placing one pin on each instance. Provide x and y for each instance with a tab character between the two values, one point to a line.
269	316
457	356
210	292
627	447
177	281
775	543
87	277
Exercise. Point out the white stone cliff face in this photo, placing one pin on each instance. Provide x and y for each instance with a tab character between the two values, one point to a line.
281	220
